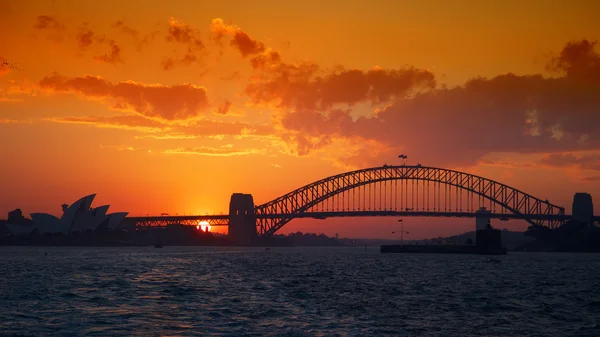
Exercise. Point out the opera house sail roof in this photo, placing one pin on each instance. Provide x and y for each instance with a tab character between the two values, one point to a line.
79	217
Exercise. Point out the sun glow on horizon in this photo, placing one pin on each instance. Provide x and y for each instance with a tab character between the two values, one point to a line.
203	225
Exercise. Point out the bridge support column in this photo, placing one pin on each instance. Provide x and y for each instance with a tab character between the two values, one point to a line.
242	220
482	219
583	208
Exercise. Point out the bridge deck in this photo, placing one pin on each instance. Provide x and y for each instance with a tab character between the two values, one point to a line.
324	215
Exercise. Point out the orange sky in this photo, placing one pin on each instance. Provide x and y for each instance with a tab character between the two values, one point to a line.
171	106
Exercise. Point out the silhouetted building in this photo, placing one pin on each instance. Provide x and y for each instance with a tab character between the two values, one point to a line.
16	217
583	208
482	219
79	217
488	239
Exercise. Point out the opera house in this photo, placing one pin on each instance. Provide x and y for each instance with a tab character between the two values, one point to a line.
79	217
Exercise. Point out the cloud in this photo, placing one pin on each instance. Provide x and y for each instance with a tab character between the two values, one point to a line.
121	147
14	88
48	22
186	35
578	60
114	56
591	178
214	152
318	107
4	66
239	39
217	128
86	38
247	46
374	112
130	122
582	161
162	131
445	126
307	87
223	108
10	99
9	121
140	39
167	136
177	102
183	33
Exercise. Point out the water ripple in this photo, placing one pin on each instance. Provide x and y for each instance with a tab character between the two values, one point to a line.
195	291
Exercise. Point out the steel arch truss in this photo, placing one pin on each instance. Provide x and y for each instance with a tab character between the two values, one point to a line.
145	222
520	204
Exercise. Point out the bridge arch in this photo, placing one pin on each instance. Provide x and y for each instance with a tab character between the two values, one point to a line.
301	200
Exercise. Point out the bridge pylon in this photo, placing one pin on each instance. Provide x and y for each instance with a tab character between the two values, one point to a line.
242	220
583	208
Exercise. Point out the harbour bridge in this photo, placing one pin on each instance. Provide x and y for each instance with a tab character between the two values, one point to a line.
386	191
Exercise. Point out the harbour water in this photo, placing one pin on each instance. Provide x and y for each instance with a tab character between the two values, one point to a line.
201	291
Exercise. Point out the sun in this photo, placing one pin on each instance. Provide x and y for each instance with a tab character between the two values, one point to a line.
203	225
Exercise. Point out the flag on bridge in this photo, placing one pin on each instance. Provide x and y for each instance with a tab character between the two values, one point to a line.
402	156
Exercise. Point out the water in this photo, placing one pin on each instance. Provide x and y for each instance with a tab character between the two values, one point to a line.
191	291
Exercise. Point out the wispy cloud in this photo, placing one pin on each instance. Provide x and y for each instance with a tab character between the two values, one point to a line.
215	152
11	121
167	136
131	122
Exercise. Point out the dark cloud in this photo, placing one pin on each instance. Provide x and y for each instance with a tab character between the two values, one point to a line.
139	39
156	101
578	60
114	56
306	86
582	161
85	38
187	36
246	45
48	22
183	33
4	66
241	41
224	108
507	113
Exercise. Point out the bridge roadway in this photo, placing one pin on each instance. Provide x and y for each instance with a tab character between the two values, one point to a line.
223	219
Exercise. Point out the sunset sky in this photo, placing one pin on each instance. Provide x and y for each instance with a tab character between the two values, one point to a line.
171	106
